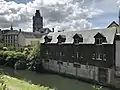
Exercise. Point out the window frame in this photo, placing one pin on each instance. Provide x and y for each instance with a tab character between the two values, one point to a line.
99	56
99	41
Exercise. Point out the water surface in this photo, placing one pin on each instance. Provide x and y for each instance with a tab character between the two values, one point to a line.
50	80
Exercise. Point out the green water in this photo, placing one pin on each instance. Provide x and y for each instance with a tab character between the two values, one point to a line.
53	81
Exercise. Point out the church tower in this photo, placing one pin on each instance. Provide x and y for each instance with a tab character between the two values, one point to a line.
37	21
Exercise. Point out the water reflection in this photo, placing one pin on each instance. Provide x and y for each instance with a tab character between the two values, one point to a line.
53	81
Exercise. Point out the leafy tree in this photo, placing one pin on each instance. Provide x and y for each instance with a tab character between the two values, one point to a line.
34	58
1	44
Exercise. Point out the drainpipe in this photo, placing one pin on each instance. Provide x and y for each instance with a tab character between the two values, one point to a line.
119	22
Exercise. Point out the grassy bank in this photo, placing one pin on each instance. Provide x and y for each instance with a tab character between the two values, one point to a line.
16	84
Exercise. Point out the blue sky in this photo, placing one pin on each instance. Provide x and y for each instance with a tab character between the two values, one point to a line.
60	14
21	1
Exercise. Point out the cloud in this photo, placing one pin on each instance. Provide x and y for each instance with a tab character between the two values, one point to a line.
60	14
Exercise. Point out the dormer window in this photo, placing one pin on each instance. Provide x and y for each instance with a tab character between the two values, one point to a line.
99	39
61	39
48	39
77	38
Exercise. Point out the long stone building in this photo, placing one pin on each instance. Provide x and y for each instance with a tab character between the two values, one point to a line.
90	54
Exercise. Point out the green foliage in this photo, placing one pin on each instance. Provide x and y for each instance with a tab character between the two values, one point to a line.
9	58
36	50
34	61
97	88
16	84
1	44
26	51
19	60
5	48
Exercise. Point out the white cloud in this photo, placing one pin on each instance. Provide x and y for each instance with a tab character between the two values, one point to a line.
61	14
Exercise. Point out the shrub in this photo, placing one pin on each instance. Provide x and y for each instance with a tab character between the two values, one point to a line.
9	58
21	64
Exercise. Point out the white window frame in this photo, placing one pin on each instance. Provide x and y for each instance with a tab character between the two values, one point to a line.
104	57
98	56
99	41
77	55
93	56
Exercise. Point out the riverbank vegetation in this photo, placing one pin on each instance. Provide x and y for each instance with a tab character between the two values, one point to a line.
10	83
25	59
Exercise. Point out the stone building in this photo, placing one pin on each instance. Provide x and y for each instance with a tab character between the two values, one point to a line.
19	39
90	54
93	54
38	23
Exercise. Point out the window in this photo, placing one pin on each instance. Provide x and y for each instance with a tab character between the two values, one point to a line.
87	66
98	41
93	56
81	56
98	56
77	65
46	53
77	38
15	37
61	39
61	54
77	55
72	55
47	39
104	57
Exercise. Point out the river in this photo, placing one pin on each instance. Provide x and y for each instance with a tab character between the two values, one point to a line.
50	80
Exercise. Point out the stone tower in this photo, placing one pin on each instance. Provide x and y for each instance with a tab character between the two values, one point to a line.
37	21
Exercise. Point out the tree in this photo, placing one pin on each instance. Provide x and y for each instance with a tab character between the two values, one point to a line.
35	58
1	44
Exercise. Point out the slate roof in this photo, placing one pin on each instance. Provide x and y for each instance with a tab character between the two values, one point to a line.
32	34
25	34
11	32
88	35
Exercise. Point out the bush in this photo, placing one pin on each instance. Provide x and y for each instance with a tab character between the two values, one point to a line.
2	61
9	58
20	65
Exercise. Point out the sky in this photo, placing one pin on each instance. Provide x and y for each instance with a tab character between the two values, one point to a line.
59	14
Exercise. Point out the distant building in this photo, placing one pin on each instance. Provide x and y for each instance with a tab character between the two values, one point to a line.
19	39
38	23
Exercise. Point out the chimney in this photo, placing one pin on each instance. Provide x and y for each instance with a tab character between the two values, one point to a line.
19	30
52	29
11	28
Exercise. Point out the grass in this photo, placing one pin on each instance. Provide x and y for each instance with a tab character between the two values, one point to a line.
16	84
